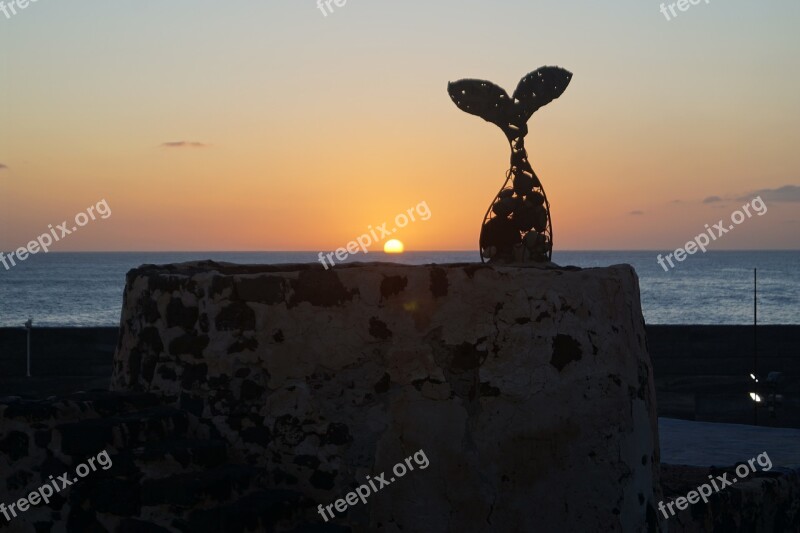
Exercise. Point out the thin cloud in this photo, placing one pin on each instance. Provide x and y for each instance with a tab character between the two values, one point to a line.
184	144
636	213
712	200
787	193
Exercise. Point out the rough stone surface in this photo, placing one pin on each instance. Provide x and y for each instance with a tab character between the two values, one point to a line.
166	472
530	390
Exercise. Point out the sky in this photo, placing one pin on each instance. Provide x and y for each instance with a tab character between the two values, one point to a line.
267	125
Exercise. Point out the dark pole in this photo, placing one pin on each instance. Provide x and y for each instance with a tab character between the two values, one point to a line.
755	339
29	326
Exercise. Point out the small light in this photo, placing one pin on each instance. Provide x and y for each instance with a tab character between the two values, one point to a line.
755	397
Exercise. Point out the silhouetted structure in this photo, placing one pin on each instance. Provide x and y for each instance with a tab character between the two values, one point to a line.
517	226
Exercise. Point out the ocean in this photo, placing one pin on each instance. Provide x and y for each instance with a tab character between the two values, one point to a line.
85	289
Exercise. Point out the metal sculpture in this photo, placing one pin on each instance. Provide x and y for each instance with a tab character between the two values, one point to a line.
517	225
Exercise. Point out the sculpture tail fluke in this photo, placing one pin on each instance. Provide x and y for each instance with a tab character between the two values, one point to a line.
539	88
482	98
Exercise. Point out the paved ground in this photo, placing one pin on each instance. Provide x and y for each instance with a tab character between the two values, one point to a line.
685	442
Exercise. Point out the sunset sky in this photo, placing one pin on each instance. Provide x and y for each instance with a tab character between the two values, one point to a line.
265	125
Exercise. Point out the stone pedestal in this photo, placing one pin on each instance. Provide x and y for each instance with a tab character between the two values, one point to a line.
530	391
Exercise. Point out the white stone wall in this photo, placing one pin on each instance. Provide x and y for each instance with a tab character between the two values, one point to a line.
529	390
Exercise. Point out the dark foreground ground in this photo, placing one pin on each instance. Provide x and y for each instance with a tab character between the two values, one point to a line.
167	474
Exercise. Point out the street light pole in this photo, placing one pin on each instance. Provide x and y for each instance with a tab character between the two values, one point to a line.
755	338
29	326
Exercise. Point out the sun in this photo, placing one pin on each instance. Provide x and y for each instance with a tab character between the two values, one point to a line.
393	247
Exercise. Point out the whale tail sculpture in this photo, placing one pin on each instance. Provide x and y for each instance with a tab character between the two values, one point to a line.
517	225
